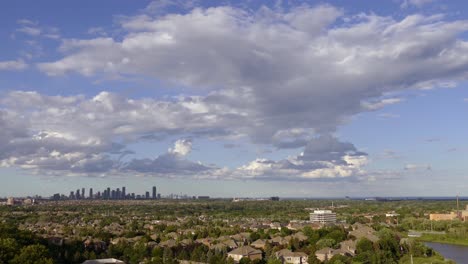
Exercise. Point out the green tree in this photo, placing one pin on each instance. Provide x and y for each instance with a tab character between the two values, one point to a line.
33	254
325	242
245	261
8	249
364	245
313	259
339	259
274	260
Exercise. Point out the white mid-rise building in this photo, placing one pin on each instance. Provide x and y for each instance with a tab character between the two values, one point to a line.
323	216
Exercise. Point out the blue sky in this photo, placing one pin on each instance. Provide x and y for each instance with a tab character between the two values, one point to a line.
234	98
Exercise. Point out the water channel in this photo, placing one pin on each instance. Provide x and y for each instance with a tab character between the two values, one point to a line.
454	252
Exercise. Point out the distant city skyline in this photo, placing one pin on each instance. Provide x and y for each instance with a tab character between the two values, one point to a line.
235	99
105	194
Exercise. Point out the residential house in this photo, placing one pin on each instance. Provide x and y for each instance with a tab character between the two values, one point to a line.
278	241
288	257
259	243
348	247
325	254
245	252
363	231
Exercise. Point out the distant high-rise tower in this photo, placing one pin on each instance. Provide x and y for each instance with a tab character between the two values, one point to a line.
154	192
77	195
147	195
91	195
108	193
118	194
82	193
124	194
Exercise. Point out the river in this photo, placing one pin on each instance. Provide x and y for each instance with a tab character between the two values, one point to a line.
454	252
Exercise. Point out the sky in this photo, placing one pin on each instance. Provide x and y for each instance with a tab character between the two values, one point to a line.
234	98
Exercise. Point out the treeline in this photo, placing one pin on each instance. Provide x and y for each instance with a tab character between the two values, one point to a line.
22	247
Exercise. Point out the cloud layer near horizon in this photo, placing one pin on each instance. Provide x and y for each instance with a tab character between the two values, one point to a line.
286	79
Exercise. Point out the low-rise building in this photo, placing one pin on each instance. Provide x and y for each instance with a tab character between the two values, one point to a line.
443	217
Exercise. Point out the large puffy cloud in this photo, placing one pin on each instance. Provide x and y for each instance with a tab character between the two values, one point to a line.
182	147
277	78
81	135
78	135
304	68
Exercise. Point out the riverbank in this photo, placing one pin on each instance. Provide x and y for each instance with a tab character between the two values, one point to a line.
423	260
443	239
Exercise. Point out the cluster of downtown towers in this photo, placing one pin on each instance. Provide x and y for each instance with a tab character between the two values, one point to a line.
109	194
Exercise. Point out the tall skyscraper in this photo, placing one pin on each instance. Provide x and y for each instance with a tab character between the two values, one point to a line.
77	195
118	194
108	193
154	192
147	195
91	196
82	193
124	194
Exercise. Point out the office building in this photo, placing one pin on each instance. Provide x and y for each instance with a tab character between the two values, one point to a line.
147	196
323	216
83	193
91	193
124	194
154	192
10	201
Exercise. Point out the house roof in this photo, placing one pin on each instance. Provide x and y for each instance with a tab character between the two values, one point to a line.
168	243
361	231
289	253
259	242
104	261
325	250
245	251
348	243
279	240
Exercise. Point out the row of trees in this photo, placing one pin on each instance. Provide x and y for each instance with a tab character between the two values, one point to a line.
22	247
